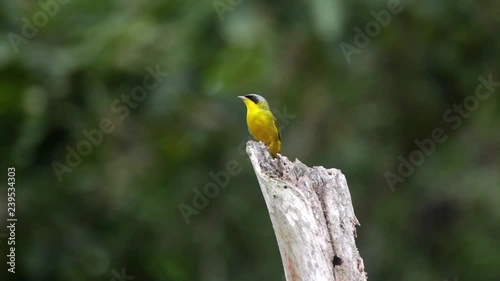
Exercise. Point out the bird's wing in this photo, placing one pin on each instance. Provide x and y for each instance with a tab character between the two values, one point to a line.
277	128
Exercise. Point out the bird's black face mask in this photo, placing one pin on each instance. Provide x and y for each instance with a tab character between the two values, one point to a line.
253	98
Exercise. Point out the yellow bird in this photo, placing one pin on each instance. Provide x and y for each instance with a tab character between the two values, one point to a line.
261	122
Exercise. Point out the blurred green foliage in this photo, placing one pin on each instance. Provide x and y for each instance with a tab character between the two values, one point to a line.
119	207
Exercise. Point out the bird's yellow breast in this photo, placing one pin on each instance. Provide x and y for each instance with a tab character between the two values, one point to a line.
262	125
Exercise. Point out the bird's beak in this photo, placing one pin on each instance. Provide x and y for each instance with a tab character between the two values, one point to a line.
243	97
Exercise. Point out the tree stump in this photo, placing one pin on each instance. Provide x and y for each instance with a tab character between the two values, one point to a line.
312	216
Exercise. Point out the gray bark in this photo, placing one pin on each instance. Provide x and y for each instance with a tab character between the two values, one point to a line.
312	216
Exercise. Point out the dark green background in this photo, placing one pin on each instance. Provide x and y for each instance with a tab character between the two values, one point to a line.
119	207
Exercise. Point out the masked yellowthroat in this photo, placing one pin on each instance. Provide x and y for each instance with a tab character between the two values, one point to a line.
261	122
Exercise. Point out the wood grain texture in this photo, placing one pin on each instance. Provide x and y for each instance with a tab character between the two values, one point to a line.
312	216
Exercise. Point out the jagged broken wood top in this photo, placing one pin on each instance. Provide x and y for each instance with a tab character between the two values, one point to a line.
312	216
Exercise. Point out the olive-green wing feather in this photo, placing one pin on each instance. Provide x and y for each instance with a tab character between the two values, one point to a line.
277	128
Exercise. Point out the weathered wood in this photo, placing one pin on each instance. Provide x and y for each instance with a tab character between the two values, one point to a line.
312	216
